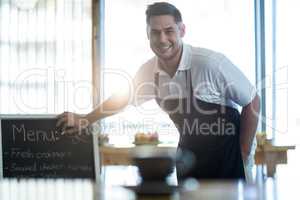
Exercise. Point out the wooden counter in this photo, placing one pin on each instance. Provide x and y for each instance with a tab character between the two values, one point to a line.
120	155
269	155
272	153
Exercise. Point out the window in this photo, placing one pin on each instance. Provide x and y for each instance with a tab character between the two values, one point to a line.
45	57
282	68
226	26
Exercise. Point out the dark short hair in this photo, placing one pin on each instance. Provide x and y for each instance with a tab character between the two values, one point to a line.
163	8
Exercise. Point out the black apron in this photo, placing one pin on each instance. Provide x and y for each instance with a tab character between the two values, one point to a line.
210	131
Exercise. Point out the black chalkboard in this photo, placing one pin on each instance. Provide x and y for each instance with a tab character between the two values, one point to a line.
35	148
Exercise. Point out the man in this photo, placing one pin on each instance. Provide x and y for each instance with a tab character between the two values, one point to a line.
200	90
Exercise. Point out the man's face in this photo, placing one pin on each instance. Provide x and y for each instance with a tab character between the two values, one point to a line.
165	36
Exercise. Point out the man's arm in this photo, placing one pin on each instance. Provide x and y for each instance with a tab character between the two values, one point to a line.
72	122
111	106
249	120
140	92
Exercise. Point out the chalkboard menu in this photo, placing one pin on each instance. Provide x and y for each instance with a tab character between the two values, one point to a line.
35	148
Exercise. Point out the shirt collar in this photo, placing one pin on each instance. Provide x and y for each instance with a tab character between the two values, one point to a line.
184	63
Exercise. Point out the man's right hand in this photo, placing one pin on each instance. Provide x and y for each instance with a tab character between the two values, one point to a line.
71	123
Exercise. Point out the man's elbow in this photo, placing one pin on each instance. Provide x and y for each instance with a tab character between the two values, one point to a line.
254	105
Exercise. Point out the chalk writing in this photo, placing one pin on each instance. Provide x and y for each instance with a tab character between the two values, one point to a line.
33	135
21	153
36	148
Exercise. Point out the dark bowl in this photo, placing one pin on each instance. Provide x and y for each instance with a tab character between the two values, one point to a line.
154	164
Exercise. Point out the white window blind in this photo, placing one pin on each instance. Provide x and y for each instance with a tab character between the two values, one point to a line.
45	57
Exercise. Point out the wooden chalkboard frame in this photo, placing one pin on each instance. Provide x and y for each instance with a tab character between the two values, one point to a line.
25	117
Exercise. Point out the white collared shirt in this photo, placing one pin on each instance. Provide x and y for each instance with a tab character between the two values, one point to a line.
214	79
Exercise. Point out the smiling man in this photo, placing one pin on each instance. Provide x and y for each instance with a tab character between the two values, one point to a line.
165	40
201	91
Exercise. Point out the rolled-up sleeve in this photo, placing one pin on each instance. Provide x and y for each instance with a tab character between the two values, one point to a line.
235	85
